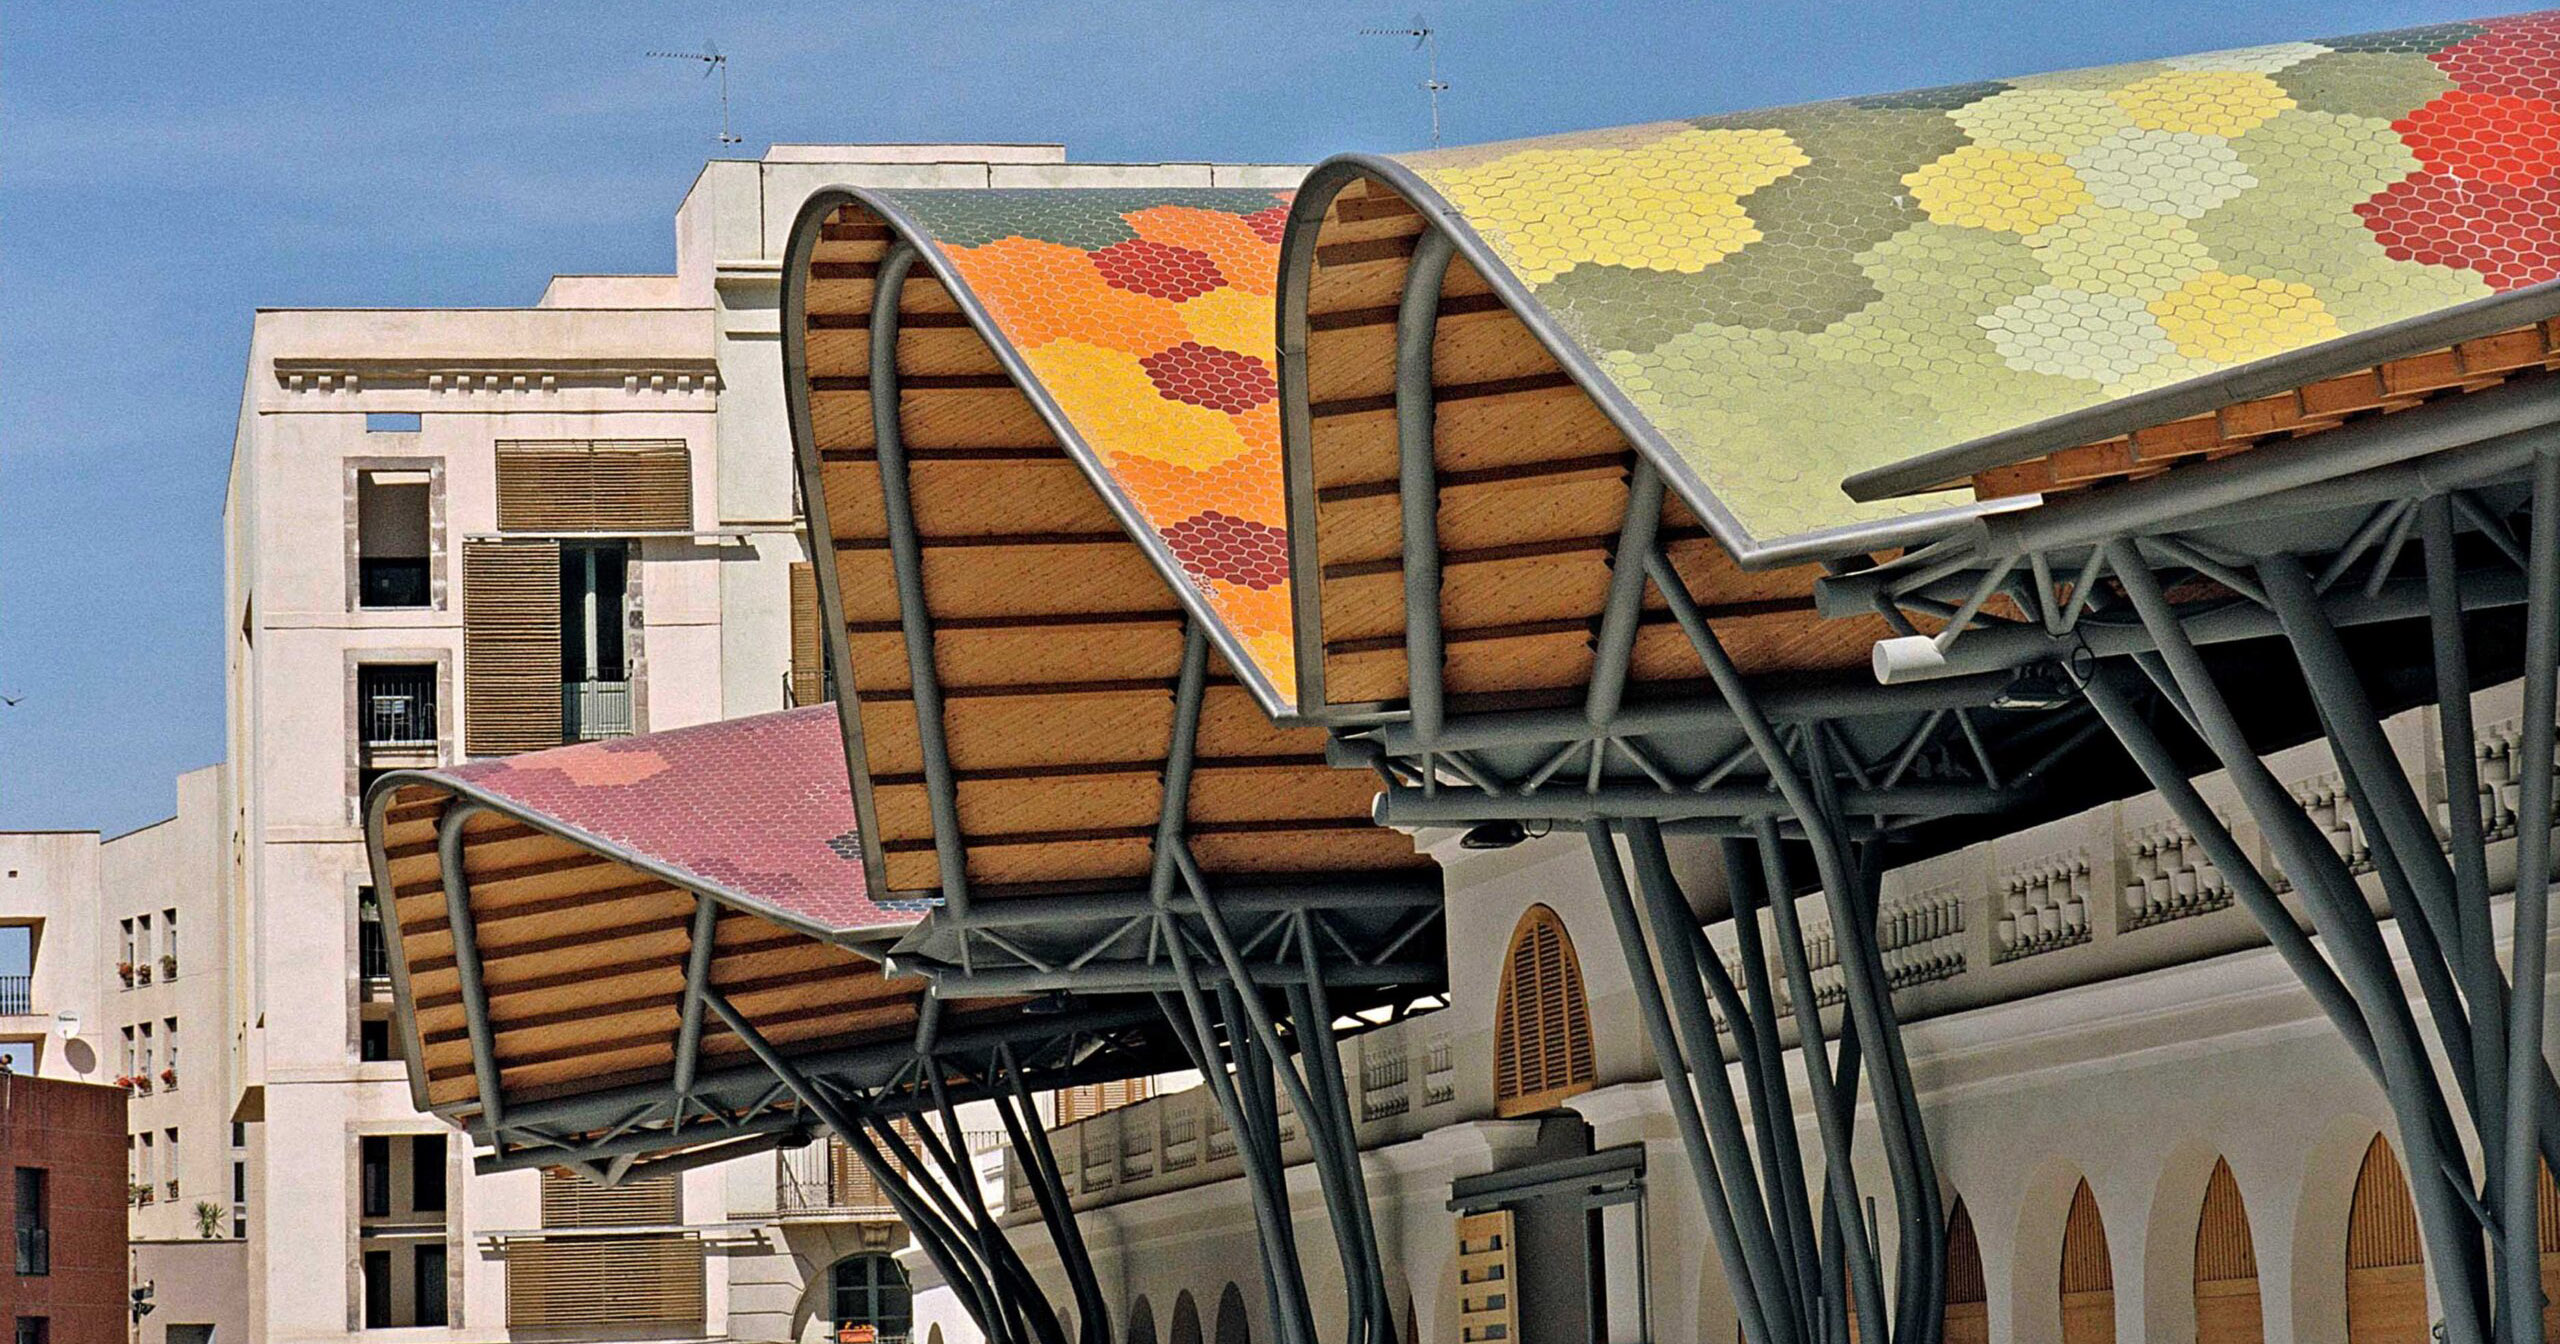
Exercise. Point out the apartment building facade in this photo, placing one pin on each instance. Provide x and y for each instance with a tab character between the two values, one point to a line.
471	532
63	1204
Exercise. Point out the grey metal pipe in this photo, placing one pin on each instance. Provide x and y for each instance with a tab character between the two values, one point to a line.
1410	807
1741	1271
1418	475
2410	1085
1052	911
1031	1148
697	974
466	962
906	557
1777	1121
1624	611
1793	699
2521	1286
1338	1092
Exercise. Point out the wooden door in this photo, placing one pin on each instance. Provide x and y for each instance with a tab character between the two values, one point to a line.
2088	1276
2226	1278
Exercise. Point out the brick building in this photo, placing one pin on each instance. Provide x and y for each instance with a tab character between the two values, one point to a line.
64	1200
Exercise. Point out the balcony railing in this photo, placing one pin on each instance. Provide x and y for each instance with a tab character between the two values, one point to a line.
373	958
398	706
17	995
591	710
819	1179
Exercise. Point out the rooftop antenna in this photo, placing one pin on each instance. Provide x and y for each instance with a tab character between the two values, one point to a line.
712	63
1425	38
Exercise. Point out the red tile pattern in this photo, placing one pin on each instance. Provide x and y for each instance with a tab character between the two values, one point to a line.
2487	196
757	808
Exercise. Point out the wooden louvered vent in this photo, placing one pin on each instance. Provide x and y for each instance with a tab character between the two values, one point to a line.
510	646
1488	1273
1092	1099
1968	1312
2088	1274
2386	1268
651	1278
1542	1049
2227	1303
808	638
594	485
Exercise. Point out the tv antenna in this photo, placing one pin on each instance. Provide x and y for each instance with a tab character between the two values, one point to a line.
1426	39
712	63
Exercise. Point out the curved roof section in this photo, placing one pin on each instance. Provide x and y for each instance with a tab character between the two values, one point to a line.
1905	289
756	811
1143	315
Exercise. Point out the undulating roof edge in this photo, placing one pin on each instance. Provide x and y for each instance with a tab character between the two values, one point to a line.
1958	278
1181	442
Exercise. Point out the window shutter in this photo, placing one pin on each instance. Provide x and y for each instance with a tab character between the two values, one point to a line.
1085	1101
608	1280
808	642
594	485
1542	1045
510	646
570	1202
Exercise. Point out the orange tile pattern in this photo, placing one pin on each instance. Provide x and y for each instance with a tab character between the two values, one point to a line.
1147	317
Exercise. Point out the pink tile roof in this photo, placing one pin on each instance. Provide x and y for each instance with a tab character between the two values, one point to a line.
755	809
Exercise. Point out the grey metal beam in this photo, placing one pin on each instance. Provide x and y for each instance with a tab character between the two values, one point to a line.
1349	892
2520	1256
1418	476
1784	701
697	975
466	961
1409	807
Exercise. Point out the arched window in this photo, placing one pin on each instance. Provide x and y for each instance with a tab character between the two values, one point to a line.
1186	1319
1233	1328
2386	1269
1542	1050
870	1289
1142	1324
1968	1312
2226	1266
2088	1276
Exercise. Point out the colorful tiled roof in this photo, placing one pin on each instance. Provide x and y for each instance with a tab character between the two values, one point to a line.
755	809
1795	295
1146	316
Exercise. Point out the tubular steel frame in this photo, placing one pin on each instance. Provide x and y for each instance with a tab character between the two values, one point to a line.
1241	974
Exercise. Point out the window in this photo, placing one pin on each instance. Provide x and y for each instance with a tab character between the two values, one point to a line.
428	1286
34	1330
17	969
147	1053
1092	1099
1542	1048
34	1221
511	686
17	1057
169	1157
595	695
373	955
426	1173
871	1290
578	485
125	1061
393	532
169	942
125	963
147	1167
391	422
396	704
373	1040
377	1290
374	1159
142	948
2088	1275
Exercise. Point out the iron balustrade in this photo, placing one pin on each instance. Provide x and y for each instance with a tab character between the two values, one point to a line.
593	710
397	706
17	995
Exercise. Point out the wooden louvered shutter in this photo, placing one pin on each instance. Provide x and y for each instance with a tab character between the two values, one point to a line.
1542	1047
2088	1274
510	646
2226	1282
1091	1099
594	485
606	1280
1488	1309
2386	1269
1968	1311
808	638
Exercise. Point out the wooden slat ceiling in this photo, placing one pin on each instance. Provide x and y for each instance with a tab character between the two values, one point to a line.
1057	640
1533	483
583	958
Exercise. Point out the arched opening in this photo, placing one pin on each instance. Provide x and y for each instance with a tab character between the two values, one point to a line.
1233	1328
2227	1305
1968	1311
1542	1050
1186	1320
1142	1323
2386	1264
2088	1274
870	1289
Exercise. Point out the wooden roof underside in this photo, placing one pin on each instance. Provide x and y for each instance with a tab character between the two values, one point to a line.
1533	485
1056	640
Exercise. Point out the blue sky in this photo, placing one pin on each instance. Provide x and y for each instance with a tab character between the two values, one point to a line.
166	168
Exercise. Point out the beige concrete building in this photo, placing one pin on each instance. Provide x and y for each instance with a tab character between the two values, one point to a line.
51	965
466	532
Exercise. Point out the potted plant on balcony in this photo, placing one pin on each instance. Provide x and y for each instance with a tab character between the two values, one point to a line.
142	974
139	1192
208	1220
124	972
168	965
169	1076
127	1081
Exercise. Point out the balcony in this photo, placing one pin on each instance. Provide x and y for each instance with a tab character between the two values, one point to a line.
397	706
823	1180
17	995
593	710
373	955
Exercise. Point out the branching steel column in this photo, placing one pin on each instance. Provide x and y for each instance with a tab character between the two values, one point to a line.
2520	1258
466	962
697	977
906	557
1418	482
1031	1148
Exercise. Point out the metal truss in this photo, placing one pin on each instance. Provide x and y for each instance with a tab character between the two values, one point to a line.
2124	590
